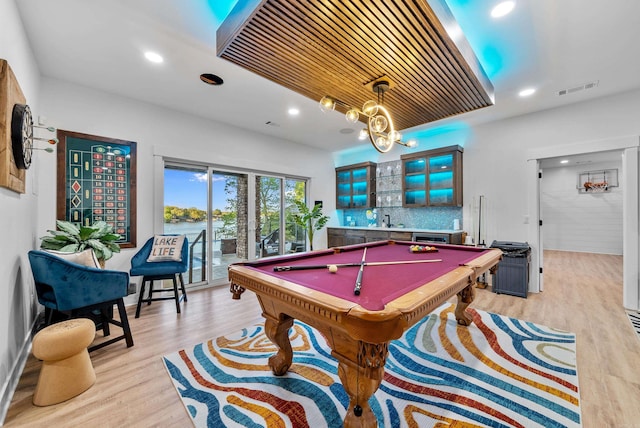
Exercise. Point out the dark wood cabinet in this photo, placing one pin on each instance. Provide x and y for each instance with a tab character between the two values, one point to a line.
432	178
400	236
342	237
337	237
356	186
444	237
355	237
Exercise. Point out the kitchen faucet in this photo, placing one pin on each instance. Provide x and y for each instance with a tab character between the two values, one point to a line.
388	220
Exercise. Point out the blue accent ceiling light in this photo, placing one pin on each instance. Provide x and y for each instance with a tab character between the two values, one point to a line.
221	9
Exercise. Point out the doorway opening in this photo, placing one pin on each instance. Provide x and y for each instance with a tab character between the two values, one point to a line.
628	146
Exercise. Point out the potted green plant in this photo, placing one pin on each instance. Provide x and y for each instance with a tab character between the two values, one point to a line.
72	238
310	219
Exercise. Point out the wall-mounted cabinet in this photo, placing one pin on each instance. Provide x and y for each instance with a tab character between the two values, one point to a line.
356	186
432	178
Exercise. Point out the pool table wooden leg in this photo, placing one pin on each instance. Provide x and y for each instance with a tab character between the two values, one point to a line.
277	330
465	297
360	381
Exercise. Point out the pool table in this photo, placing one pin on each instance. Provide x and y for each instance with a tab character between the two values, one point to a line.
398	289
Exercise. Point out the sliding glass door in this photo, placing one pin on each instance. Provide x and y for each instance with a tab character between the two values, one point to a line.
186	213
268	216
210	208
276	231
296	236
230	216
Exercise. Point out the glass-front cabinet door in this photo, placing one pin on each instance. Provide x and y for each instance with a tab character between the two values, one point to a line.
355	186
440	180
415	175
432	177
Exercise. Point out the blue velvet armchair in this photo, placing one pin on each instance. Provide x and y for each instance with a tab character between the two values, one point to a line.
159	270
68	288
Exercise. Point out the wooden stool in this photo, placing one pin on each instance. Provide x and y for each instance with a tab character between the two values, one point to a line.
66	367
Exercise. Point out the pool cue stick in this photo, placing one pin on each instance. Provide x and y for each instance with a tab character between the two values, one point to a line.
339	265
401	262
356	290
479	219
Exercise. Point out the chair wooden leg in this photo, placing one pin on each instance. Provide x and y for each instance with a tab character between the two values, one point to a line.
151	290
104	320
140	298
175	293
125	323
184	292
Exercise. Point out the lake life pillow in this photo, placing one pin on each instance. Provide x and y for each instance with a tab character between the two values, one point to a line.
166	248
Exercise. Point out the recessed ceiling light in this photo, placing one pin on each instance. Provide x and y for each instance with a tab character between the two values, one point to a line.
564	161
153	57
527	92
502	9
211	79
293	111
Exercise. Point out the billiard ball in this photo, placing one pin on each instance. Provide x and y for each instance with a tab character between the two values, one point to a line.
333	268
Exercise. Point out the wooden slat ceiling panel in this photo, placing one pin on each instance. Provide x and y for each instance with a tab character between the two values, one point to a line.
338	47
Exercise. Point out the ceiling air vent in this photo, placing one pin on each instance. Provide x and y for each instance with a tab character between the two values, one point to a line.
578	88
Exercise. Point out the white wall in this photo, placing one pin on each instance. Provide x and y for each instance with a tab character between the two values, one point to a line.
17	221
496	158
157	130
583	222
496	154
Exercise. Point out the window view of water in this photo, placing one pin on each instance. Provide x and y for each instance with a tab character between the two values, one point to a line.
192	230
193	194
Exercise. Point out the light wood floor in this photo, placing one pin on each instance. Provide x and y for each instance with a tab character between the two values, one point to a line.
582	294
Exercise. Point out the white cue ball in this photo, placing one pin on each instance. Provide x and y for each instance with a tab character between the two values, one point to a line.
333	268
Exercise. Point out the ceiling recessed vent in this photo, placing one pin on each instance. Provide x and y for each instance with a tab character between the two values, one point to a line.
578	88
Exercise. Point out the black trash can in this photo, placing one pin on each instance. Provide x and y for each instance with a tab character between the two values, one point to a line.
512	275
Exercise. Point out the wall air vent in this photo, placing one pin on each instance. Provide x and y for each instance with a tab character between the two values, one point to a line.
578	88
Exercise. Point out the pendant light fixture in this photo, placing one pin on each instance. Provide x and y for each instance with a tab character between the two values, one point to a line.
380	129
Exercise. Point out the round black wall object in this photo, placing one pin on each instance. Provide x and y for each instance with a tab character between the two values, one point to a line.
211	79
22	135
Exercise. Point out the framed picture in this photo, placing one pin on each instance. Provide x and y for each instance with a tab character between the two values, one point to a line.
97	182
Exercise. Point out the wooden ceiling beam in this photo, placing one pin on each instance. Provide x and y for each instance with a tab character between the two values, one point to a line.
338	47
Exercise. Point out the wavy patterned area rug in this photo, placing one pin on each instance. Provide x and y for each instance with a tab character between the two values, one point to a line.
499	372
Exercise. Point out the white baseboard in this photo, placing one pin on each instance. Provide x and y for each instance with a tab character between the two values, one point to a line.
9	386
